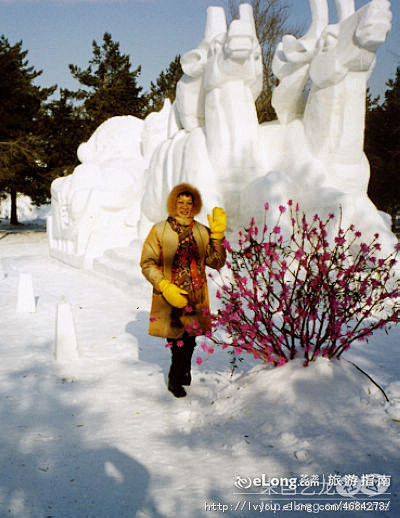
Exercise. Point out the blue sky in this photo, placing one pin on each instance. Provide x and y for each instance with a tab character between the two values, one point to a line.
59	32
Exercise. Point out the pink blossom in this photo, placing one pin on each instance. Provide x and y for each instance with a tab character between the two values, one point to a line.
330	304
180	343
168	345
205	312
260	269
153	319
282	209
266	205
199	360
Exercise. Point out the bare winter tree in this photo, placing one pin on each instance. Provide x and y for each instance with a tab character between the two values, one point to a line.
271	21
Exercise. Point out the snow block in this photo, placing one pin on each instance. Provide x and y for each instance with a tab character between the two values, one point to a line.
66	344
25	298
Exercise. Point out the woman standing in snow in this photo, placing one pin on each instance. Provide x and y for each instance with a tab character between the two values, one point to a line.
174	257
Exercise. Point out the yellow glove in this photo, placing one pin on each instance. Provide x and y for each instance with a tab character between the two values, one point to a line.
172	294
217	223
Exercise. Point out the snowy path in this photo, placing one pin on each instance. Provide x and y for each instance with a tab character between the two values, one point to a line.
104	438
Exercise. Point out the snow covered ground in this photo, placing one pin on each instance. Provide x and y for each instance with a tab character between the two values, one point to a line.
104	438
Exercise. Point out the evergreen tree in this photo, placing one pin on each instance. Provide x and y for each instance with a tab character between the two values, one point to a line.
165	86
382	146
22	166
110	87
63	129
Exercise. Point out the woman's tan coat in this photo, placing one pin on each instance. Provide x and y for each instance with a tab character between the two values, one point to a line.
157	257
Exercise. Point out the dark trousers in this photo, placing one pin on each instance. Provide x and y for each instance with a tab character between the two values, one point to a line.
181	360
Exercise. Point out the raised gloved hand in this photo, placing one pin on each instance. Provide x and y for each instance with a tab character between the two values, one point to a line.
217	223
172	294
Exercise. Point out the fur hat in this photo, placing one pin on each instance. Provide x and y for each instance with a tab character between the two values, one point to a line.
181	189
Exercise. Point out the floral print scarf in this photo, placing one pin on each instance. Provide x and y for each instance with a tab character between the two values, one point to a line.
187	271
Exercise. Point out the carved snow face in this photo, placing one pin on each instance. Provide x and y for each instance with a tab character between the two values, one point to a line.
240	42
328	39
184	206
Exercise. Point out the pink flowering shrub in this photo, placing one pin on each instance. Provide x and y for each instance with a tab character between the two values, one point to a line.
308	295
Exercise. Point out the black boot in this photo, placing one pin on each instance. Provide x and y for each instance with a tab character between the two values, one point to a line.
177	390
190	343
186	378
175	371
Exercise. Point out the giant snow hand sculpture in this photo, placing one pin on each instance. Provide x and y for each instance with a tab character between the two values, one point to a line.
344	59
291	65
232	81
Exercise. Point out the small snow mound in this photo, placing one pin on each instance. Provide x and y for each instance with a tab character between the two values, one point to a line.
301	455
296	398
322	382
393	390
288	437
393	410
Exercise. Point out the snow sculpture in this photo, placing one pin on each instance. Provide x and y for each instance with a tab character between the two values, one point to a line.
215	141
97	207
319	158
66	345
211	138
91	207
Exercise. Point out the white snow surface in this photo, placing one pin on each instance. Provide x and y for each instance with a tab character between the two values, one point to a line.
102	437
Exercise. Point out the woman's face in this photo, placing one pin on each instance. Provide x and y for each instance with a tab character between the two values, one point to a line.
184	206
